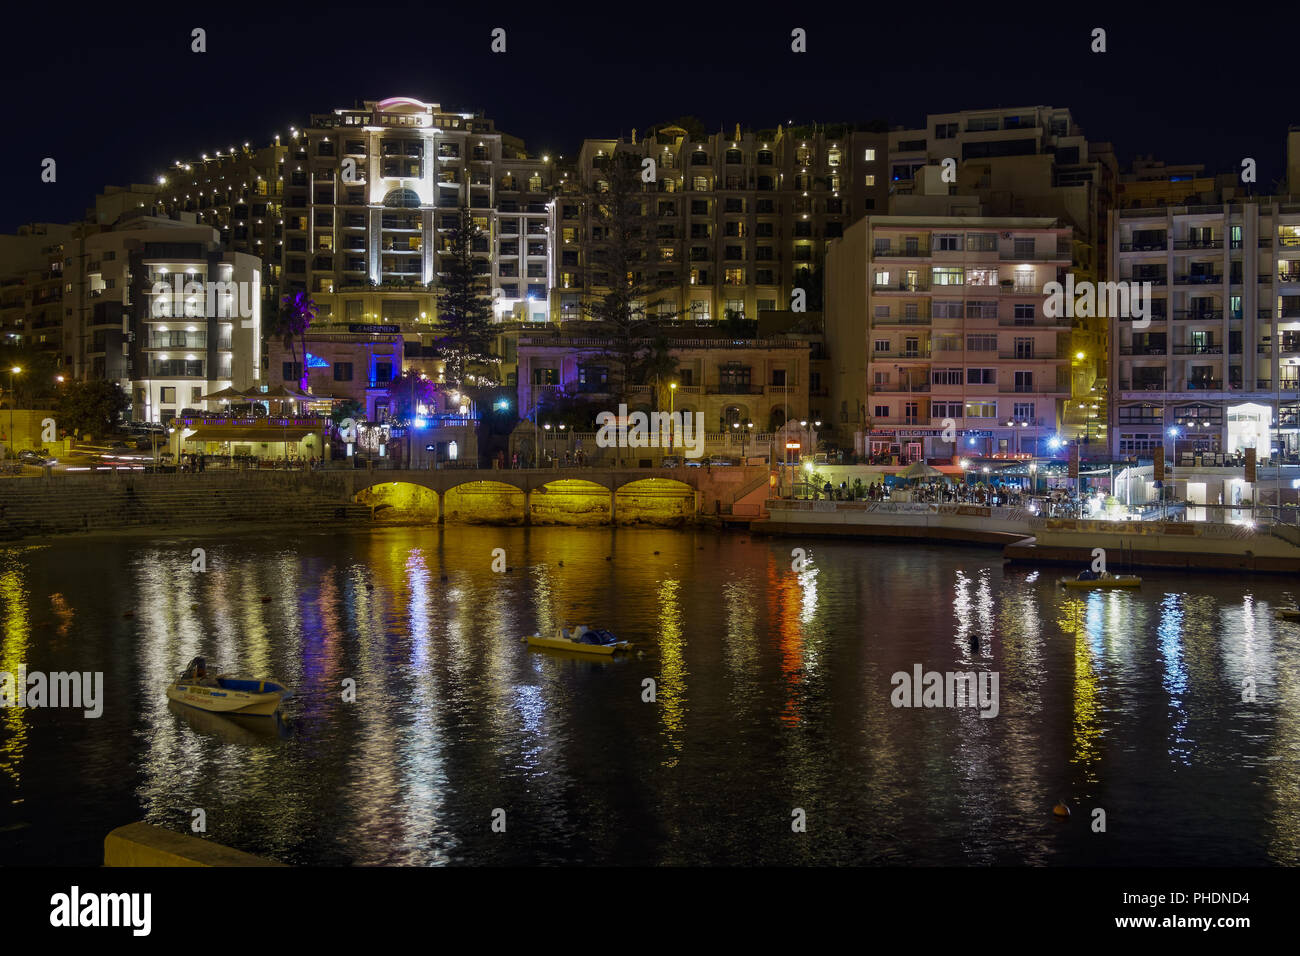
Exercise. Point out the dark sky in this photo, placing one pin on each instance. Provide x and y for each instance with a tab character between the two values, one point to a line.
116	96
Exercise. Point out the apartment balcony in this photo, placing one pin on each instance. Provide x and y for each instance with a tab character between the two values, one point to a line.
1038	255
1198	349
1016	289
1162	246
1035	390
1288	348
1143	350
1155	280
913	355
1288	385
897	388
902	285
1037	355
1181	244
726	388
919	252
1198	315
1038	322
900	320
1199	279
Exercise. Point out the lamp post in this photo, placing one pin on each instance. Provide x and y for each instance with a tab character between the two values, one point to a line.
557	450
15	370
547	426
672	408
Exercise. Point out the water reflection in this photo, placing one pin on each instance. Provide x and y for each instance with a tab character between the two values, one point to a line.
772	693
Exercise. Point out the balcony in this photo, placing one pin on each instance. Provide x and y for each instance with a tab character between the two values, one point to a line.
733	388
1199	279
1288	385
1160	246
903	285
917	354
894	388
1143	350
1198	315
918	252
1180	244
900	320
1198	349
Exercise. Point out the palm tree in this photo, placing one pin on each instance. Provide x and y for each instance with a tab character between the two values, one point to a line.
296	314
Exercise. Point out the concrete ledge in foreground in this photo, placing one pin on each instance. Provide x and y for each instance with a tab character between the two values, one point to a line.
142	844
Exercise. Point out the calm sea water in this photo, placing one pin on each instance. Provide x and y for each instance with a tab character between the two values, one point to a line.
772	695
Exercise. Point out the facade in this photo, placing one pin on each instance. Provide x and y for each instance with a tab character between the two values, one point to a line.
1218	370
340	365
739	221
734	382
1031	161
126	318
31	286
934	320
371	194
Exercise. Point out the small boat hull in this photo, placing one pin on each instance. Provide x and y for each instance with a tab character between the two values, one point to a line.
1289	613
1117	582
261	702
560	644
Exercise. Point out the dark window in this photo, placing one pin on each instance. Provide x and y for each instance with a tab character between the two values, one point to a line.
342	371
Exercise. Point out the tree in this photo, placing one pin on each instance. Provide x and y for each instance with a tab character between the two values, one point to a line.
464	306
619	263
406	393
297	311
91	407
35	385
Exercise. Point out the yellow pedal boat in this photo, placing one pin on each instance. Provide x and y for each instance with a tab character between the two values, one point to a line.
1106	581
597	641
224	694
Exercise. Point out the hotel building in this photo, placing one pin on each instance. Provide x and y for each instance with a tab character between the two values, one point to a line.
1218	369
165	349
934	319
738	221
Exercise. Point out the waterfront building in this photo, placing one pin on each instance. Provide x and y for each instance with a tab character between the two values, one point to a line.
938	323
134	314
31	287
1031	161
741	386
738	221
1218	369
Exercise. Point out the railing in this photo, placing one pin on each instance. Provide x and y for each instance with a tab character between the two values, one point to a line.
901	320
1198	349
913	354
1288	385
1198	315
904	253
902	286
1199	279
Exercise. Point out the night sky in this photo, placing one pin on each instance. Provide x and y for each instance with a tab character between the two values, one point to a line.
116	97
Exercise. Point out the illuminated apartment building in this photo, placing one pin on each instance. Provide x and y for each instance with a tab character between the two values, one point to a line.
738	221
1221	356
941	318
165	348
1030	161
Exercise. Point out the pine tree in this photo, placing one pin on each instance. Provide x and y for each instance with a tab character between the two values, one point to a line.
464	308
619	263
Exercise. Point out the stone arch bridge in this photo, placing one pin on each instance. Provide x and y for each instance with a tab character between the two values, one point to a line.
712	490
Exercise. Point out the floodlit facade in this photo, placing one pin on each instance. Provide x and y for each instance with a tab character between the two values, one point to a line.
1218	369
937	323
160	307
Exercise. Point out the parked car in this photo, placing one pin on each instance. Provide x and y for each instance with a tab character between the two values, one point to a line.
717	460
672	462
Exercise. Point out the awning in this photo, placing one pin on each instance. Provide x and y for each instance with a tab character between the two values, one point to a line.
255	434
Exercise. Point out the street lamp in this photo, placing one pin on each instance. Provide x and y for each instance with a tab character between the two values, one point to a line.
672	407
547	426
15	370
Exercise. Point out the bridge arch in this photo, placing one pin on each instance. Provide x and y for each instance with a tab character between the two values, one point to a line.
654	500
